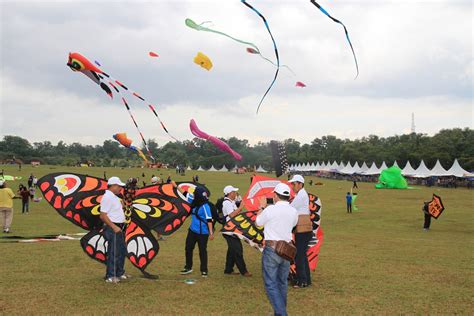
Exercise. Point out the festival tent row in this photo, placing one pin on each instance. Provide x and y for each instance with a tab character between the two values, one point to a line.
348	169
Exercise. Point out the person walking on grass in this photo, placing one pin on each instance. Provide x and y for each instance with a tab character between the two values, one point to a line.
278	221
235	252
304	232
426	213
349	202
6	206
200	230
25	199
112	214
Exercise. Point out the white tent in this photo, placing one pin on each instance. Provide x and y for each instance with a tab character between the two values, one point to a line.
212	169
363	168
200	169
341	166
224	169
348	169
322	167
234	169
408	170
260	169
333	167
318	167
373	170
189	168
356	168
312	167
438	170
383	166
457	171
422	171
395	164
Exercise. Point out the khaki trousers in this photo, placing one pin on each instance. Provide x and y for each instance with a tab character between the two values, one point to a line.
6	214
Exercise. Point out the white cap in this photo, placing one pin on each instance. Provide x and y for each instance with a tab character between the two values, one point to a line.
155	180
282	189
228	189
115	181
2	182
297	178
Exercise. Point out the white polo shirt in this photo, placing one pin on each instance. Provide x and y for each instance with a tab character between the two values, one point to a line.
112	206
301	202
228	206
278	221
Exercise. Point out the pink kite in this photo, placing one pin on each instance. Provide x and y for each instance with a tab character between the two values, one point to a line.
152	54
300	84
216	141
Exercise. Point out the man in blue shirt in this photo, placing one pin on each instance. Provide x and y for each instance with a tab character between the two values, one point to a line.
200	229
349	202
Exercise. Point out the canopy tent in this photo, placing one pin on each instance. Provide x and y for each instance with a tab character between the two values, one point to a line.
260	169
334	167
200	169
212	168
224	169
383	166
457	171
438	170
422	171
341	166
312	167
363	168
356	168
234	169
189	168
373	170
317	167
408	170
348	169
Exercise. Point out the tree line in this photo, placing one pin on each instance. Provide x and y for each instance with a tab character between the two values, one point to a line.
446	145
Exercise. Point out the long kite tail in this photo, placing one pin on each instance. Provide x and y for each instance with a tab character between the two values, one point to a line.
345	30
274	46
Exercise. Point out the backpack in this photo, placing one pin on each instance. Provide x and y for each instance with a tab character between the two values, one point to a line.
217	214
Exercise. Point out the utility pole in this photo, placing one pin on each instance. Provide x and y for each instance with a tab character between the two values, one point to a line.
413	123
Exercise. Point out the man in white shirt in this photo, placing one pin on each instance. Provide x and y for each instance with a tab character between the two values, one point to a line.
301	204
278	221
112	214
235	252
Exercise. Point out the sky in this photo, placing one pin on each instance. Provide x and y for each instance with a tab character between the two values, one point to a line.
414	57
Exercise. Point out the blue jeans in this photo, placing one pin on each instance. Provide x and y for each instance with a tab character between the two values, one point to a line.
275	272
116	252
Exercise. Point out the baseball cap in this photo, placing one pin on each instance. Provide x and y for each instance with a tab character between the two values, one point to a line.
297	178
2	182
155	180
115	181
282	189
228	189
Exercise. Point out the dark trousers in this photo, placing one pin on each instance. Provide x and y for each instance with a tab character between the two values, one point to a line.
303	273
191	241
25	206
427	223
116	253
235	255
349	207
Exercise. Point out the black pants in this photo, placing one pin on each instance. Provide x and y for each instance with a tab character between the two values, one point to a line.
349	207
354	185
191	241
427	223
235	255
303	273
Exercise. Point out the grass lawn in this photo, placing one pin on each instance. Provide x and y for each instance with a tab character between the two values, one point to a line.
377	260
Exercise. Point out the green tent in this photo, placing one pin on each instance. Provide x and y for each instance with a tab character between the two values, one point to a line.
392	178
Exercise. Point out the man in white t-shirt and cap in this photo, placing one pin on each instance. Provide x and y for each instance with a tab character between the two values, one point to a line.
112	214
235	252
304	232
278	221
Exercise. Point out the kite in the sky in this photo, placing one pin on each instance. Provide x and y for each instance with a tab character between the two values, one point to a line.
203	61
299	84
153	54
244	226
216	141
274	46
280	160
345	30
161	208
127	143
78	62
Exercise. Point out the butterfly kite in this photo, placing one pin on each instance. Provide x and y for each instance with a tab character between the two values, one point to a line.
214	140
78	62
244	225
127	143
159	208
345	30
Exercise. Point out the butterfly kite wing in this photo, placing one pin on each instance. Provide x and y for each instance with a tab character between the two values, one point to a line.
75	197
244	227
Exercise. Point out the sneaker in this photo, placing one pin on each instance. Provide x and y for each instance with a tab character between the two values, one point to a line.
247	274
112	280
300	285
125	277
204	274
6	230
186	271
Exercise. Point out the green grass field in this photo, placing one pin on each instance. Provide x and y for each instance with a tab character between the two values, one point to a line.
377	260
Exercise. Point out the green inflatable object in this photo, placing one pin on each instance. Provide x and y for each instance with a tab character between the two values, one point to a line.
392	178
354	206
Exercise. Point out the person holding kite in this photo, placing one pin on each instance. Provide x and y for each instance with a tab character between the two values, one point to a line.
113	216
278	221
235	252
200	229
303	233
427	223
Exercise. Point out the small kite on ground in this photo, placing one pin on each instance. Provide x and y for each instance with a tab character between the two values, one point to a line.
203	61
216	141
127	143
